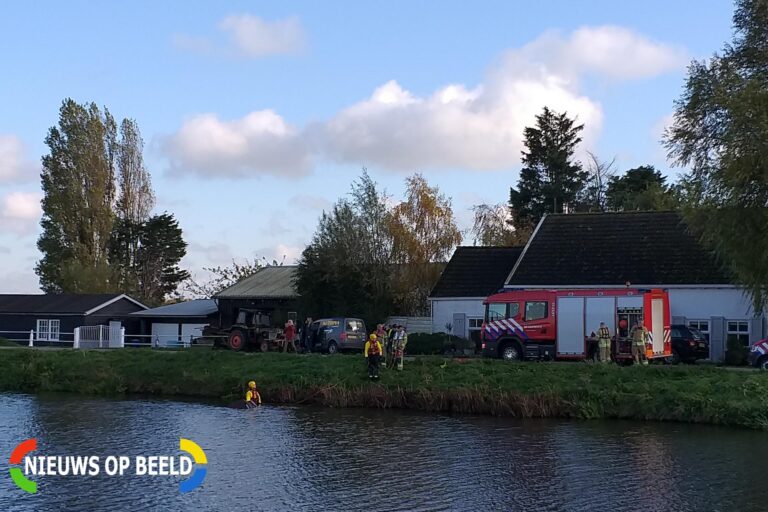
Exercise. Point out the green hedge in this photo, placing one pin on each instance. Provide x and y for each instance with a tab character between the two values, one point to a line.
436	344
736	353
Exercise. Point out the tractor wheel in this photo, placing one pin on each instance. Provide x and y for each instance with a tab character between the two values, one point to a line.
236	340
263	346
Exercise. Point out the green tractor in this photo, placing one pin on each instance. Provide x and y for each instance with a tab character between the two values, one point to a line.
253	328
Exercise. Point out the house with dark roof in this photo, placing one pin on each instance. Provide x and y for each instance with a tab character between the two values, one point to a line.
604	250
470	276
54	317
271	289
172	324
642	250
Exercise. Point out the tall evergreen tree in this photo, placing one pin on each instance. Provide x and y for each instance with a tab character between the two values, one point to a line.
78	184
161	248
720	131
550	178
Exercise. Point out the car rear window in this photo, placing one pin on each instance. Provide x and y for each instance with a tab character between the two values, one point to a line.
696	334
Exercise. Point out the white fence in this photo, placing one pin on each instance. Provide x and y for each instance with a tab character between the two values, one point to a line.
104	337
412	324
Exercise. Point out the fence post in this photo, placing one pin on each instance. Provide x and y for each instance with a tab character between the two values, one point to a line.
122	337
76	338
31	337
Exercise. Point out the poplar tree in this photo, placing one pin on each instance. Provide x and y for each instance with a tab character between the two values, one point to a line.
78	182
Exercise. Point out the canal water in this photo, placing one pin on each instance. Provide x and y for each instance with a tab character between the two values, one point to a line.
299	458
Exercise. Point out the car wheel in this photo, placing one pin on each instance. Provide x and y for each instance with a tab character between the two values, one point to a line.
510	352
236	340
333	348
675	357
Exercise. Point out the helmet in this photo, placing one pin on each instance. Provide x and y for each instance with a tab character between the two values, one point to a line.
373	336
251	384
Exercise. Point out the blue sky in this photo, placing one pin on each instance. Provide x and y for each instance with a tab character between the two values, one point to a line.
257	115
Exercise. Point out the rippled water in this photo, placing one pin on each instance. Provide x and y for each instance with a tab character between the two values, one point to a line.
286	458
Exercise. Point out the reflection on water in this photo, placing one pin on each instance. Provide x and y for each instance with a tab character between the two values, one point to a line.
325	459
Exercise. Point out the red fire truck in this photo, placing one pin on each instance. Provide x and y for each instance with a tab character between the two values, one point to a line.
560	324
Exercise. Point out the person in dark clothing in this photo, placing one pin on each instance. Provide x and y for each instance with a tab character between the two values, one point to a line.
306	336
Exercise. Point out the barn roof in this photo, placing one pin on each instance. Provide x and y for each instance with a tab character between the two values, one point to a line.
192	308
275	282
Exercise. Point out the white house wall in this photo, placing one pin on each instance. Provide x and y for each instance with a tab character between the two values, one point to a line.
443	310
703	303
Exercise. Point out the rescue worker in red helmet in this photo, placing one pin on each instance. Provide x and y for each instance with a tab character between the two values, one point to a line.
372	353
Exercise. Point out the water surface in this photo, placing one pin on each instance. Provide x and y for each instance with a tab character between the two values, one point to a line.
298	458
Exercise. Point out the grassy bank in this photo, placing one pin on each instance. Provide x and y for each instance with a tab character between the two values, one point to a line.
690	394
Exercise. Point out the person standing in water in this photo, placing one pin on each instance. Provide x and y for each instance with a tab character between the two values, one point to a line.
252	396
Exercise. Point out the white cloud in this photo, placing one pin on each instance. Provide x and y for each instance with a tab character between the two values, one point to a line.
301	201
249	36
259	143
457	126
20	212
255	37
288	254
14	166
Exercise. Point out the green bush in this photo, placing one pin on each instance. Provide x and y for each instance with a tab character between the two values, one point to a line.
736	353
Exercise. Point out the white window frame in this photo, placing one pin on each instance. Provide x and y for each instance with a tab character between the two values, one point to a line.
48	329
696	324
738	331
477	320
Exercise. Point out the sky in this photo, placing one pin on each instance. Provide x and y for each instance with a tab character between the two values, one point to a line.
258	115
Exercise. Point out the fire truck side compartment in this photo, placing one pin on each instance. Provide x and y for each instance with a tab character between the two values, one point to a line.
570	326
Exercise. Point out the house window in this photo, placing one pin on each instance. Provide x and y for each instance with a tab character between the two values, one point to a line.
535	310
702	326
48	330
739	330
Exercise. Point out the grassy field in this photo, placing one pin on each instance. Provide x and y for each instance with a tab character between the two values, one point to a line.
578	390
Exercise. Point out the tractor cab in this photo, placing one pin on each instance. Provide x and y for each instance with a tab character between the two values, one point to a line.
253	318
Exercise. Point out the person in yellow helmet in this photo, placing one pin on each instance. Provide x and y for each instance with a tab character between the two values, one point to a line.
252	396
372	353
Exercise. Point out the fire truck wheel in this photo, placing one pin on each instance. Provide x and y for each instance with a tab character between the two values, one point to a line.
510	352
236	340
763	363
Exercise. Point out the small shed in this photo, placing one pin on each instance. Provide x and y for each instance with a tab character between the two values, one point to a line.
176	323
271	289
54	316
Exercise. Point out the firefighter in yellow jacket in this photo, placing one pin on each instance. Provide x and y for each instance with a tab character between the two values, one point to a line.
639	336
372	352
604	343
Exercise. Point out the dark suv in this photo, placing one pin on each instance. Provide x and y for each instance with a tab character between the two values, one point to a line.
335	334
688	344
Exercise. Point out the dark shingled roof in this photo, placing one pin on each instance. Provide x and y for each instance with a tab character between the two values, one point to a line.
476	271
63	303
644	248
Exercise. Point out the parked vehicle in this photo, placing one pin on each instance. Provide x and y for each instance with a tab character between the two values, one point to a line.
558	324
758	354
336	334
252	328
688	344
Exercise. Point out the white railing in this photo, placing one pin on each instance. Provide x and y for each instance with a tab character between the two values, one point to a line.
98	336
33	339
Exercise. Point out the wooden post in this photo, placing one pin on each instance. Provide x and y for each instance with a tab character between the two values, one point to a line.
31	337
76	339
122	337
